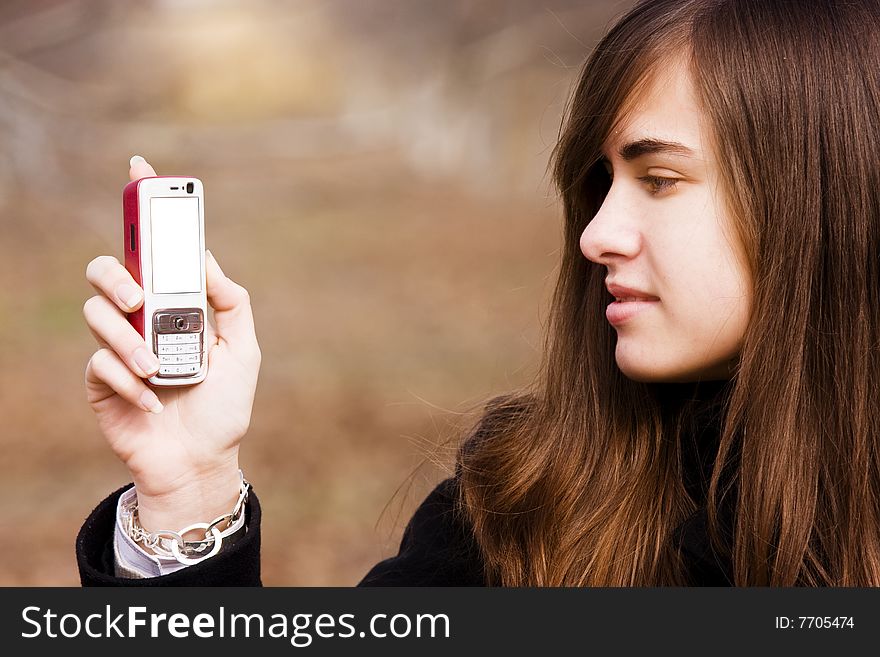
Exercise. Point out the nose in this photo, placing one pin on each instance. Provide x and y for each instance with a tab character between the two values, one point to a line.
612	234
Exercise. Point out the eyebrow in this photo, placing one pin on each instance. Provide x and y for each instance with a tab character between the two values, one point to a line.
648	146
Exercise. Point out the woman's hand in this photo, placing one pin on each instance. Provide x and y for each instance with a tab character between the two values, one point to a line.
179	444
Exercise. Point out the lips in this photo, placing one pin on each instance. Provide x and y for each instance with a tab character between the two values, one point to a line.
619	312
628	302
627	293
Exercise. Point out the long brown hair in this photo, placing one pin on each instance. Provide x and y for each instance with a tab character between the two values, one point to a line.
576	478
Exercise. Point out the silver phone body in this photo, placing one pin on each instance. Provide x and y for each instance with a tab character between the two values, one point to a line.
172	263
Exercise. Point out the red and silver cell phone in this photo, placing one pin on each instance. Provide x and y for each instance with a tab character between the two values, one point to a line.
164	220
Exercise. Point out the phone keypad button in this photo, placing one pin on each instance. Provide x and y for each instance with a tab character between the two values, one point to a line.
190	368
179	359
191	348
178	338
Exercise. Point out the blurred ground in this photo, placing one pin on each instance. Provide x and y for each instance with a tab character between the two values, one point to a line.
375	176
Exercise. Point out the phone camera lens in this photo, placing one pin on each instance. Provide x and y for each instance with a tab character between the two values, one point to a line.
189	188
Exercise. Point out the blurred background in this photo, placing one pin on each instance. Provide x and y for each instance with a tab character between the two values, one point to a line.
375	174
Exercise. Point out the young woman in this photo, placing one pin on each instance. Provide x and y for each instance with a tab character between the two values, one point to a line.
706	409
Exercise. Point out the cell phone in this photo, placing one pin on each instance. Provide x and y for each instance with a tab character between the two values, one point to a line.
164	223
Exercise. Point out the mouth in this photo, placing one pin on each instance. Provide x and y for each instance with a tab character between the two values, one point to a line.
625	293
623	309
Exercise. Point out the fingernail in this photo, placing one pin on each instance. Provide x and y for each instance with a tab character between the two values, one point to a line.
128	294
151	402
135	159
146	361
217	264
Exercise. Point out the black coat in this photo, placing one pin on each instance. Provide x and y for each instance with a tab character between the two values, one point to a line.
435	551
437	548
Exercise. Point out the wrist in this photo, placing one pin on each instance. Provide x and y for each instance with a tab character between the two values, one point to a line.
201	498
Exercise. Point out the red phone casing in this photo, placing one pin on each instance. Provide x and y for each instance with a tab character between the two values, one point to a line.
132	238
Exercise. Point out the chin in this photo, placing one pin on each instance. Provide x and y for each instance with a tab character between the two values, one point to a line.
642	372
654	377
647	372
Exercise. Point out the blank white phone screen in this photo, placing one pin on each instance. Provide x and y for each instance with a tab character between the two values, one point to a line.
174	235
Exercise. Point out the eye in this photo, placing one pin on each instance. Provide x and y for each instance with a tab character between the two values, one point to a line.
659	185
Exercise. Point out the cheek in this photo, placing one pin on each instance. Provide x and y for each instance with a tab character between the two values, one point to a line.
705	294
712	319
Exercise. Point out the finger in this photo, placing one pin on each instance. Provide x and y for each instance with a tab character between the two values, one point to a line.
233	317
106	371
112	280
101	341
139	168
210	335
105	320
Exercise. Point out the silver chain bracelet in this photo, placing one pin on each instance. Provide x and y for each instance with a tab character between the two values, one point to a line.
169	543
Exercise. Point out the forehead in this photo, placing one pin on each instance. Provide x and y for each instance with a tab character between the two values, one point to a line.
664	109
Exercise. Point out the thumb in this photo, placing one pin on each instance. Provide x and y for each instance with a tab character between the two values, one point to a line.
233	317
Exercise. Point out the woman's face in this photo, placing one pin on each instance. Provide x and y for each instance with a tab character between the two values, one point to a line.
663	230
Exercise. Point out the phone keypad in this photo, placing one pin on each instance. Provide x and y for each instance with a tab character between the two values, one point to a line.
179	353
178	335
